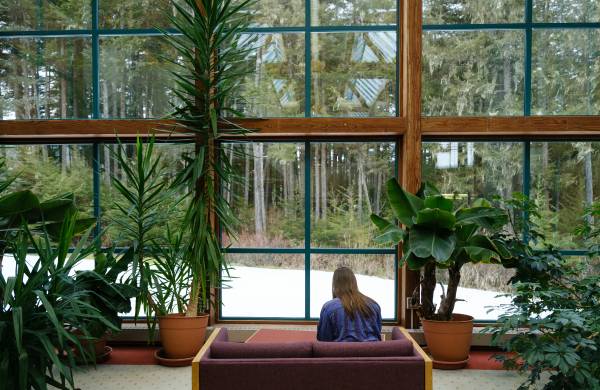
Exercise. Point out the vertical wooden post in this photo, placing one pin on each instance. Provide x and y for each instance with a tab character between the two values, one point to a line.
411	29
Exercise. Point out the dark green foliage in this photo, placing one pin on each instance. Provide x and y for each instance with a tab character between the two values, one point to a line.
39	308
105	292
145	193
553	322
438	235
554	325
209	68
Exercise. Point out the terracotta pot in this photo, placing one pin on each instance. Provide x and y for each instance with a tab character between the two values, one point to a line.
449	342
181	336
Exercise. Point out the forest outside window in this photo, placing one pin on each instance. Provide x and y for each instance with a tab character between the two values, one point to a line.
294	235
467	171
510	58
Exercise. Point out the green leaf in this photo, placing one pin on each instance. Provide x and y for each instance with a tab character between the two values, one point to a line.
439	202
436	219
404	204
18	203
487	217
390	233
478	254
426	243
415	263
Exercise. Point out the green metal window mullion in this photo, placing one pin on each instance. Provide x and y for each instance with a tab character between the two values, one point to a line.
527	110
307	227
528	54
96	112
307	60
526	185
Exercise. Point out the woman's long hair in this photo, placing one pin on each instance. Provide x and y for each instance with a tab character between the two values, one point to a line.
345	288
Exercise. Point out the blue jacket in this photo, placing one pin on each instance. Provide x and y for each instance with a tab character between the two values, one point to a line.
336	325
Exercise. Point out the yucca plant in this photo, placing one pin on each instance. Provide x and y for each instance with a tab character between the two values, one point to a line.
40	306
146	199
210	65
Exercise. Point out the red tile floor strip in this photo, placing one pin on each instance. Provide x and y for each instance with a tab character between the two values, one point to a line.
139	356
479	360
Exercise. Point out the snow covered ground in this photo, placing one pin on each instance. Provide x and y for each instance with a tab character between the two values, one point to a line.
272	292
265	292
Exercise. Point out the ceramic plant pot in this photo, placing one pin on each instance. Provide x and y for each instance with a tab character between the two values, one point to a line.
449	342
181	336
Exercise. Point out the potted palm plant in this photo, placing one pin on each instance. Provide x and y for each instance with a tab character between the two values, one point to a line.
209	68
436	234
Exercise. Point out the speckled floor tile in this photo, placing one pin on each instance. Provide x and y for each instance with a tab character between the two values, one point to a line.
116	377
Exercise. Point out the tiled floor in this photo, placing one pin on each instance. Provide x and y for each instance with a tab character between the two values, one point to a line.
116	377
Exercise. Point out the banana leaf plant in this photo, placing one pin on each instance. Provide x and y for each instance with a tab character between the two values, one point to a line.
435	233
213	48
47	216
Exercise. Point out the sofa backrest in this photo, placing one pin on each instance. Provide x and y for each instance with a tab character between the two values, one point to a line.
231	350
306	349
367	349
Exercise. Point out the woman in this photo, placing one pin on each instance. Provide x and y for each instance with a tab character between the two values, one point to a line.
350	315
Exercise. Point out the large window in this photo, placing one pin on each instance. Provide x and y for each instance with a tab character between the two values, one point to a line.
511	57
560	177
105	59
305	210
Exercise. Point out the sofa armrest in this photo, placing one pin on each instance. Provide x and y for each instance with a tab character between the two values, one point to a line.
426	358
203	351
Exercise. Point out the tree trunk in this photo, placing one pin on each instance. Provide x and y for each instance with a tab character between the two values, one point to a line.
317	187
589	182
324	180
447	303
428	283
259	190
247	175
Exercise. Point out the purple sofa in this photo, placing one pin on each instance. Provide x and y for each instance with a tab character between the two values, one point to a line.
396	364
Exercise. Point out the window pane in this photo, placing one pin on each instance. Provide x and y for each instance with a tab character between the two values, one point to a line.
473	11
134	79
45	78
17	15
171	159
473	73
471	170
134	14
561	11
275	88
479	290
278	13
375	275
352	13
267	194
52	170
566	64
264	285
565	179
354	74
347	185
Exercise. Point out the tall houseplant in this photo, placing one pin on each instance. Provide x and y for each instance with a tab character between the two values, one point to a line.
435	234
209	68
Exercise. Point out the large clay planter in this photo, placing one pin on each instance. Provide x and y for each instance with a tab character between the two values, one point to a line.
449	342
181	336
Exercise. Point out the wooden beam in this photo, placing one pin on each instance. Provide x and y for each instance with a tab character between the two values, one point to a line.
283	127
411	11
536	126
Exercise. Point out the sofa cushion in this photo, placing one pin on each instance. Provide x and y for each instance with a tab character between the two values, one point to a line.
231	350
364	349
397	334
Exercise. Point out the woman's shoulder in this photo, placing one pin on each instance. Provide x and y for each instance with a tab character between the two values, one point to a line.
332	304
